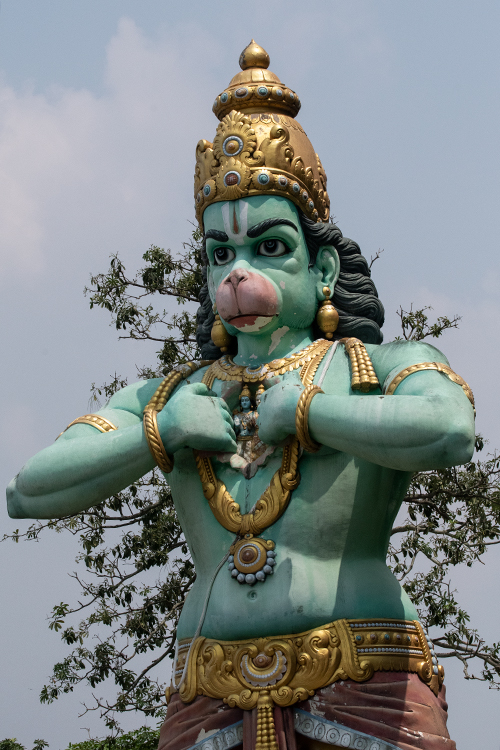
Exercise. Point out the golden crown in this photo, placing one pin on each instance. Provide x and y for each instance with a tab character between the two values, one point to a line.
259	148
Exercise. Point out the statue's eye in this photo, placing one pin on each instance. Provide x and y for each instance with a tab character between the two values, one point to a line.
272	248
223	255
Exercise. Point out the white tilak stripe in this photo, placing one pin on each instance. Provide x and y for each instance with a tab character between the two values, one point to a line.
238	239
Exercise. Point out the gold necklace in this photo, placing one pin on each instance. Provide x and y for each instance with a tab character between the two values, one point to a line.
225	369
251	558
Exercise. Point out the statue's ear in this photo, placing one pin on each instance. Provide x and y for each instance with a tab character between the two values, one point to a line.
328	265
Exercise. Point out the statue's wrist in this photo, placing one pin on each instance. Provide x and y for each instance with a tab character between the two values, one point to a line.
159	451
302	418
170	427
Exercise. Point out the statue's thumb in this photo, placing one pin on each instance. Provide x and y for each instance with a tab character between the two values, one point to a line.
199	389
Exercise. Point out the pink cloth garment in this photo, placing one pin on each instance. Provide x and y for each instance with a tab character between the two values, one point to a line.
186	724
397	708
393	706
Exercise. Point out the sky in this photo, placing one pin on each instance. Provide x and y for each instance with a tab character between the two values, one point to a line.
101	107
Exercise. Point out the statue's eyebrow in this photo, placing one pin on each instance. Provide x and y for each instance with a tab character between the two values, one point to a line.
263	226
216	234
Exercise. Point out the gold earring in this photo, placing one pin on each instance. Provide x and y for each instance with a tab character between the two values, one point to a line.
327	317
219	335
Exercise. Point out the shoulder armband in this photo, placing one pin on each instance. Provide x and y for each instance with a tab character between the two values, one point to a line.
158	401
95	420
440	367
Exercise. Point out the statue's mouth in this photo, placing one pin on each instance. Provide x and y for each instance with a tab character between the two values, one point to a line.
250	322
246	300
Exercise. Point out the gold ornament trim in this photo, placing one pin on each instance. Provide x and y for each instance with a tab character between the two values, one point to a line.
268	168
327	317
271	504
221	338
226	370
302	418
255	87
274	500
290	668
155	443
363	376
156	404
94	420
440	367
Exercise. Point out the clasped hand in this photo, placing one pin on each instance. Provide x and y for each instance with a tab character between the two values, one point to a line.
196	418
277	412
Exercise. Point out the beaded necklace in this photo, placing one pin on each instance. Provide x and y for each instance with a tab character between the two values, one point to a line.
251	558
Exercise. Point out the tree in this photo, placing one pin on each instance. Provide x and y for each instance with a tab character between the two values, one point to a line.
144	738
452	517
13	744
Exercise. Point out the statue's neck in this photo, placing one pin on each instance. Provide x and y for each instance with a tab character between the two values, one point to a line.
257	350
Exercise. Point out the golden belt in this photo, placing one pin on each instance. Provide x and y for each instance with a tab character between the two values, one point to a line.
286	669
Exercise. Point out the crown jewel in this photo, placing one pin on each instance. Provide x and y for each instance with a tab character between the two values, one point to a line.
259	148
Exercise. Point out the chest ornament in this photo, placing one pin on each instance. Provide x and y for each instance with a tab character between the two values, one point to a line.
225	369
251	559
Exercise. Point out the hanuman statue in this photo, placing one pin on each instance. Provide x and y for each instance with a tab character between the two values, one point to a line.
288	448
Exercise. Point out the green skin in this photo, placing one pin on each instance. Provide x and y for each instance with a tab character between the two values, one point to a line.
332	541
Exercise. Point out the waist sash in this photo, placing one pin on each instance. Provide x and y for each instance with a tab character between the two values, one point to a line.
282	670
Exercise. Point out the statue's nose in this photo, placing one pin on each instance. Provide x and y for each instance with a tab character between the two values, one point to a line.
236	276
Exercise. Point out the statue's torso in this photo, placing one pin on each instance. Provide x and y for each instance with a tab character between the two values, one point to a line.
331	542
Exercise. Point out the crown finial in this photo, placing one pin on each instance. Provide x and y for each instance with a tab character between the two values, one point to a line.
255	88
254	56
259	148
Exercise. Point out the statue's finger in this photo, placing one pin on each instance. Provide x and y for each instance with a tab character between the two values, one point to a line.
225	407
198	389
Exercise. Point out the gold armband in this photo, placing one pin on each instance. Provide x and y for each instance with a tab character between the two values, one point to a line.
160	455
156	404
95	420
440	367
302	417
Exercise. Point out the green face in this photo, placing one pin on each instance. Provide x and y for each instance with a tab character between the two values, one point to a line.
259	274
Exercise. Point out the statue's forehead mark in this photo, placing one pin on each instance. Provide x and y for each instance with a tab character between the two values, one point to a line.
235	217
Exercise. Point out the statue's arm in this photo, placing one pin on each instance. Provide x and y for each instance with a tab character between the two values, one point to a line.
85	466
427	424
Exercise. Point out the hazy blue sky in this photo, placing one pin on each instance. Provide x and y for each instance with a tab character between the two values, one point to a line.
101	107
